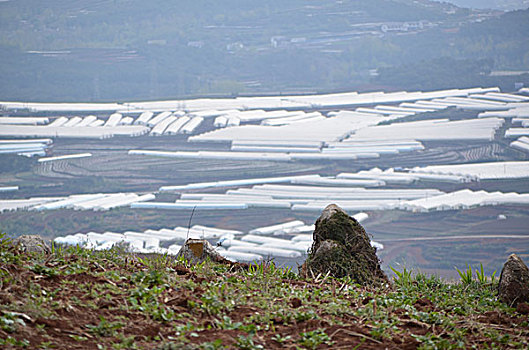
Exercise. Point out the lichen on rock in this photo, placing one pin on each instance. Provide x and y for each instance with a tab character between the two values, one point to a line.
342	248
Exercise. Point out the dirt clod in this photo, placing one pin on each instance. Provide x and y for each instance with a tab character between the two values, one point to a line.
295	302
424	304
523	308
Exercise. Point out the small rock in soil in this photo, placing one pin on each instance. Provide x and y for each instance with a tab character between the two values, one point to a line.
31	244
196	251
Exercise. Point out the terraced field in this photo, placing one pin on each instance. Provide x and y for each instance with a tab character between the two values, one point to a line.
111	161
111	169
436	242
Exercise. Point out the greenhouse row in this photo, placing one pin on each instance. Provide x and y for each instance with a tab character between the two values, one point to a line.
9	188
391	176
281	123
464	199
69	156
522	144
303	191
246	103
433	130
233	245
97	132
23	121
31	147
480	171
92	127
98	201
233	183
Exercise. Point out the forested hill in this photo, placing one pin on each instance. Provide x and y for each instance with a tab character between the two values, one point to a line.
38	25
131	49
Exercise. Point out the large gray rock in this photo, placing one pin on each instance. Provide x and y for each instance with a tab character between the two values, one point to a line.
196	251
514	281
32	244
342	248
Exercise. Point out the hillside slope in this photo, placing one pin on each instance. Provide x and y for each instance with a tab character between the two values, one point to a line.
79	299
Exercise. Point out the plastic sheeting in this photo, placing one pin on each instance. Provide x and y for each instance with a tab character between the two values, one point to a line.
68	156
481	171
23	120
232	183
98	132
464	199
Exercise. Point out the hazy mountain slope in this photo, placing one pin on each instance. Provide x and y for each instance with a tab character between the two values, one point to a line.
37	25
130	49
493	4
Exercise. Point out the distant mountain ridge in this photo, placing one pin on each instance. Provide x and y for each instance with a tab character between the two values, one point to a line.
507	5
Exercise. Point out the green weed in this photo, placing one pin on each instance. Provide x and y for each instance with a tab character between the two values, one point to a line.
312	339
404	278
280	338
105	328
227	323
481	277
247	343
213	345
466	275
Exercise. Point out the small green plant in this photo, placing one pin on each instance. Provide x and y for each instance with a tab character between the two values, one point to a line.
7	252
466	276
482	278
46	345
493	277
78	338
403	278
44	270
56	249
125	343
105	328
227	323
185	328
212	345
288	273
12	342
305	316
281	339
480	275
312	339
9	323
247	343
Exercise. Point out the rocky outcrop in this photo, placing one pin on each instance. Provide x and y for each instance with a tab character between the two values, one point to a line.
196	251
342	248
514	282
31	244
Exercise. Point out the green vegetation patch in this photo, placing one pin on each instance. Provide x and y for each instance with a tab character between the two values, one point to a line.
76	298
